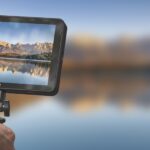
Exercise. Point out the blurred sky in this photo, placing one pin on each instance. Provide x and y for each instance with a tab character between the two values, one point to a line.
107	18
26	33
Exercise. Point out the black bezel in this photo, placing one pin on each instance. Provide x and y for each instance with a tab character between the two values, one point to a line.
57	58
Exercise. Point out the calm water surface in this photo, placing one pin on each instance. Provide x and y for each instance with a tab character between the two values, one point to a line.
24	72
108	112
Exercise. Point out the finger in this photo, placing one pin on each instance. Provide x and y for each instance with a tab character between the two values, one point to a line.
11	134
8	132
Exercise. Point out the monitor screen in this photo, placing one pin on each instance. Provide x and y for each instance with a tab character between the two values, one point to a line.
25	52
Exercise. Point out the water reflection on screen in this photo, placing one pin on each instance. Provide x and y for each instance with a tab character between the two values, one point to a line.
24	72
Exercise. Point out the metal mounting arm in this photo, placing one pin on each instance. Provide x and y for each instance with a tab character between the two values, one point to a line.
4	106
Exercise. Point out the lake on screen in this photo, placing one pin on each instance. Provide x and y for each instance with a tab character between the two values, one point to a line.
91	112
24	72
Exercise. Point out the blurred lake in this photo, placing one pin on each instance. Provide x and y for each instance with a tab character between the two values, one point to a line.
103	101
24	71
97	110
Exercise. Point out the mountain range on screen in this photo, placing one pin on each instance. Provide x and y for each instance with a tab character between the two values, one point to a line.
26	51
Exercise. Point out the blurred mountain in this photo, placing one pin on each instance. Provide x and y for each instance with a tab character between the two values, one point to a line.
88	52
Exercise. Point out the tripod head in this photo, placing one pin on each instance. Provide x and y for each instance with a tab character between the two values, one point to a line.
4	106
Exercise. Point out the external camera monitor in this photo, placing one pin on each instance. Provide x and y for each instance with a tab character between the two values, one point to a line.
31	54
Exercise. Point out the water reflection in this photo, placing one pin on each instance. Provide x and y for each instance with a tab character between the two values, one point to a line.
87	91
124	88
91	110
24	72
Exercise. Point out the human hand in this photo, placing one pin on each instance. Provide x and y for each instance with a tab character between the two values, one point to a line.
7	138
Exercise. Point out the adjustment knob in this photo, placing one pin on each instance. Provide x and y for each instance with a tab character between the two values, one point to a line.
2	120
6	108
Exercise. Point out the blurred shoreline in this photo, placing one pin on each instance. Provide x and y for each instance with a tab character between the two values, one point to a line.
95	73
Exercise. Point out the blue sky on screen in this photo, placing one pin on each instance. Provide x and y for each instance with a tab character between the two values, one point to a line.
26	32
106	18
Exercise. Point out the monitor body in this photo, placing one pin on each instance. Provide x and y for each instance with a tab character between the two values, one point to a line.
31	54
